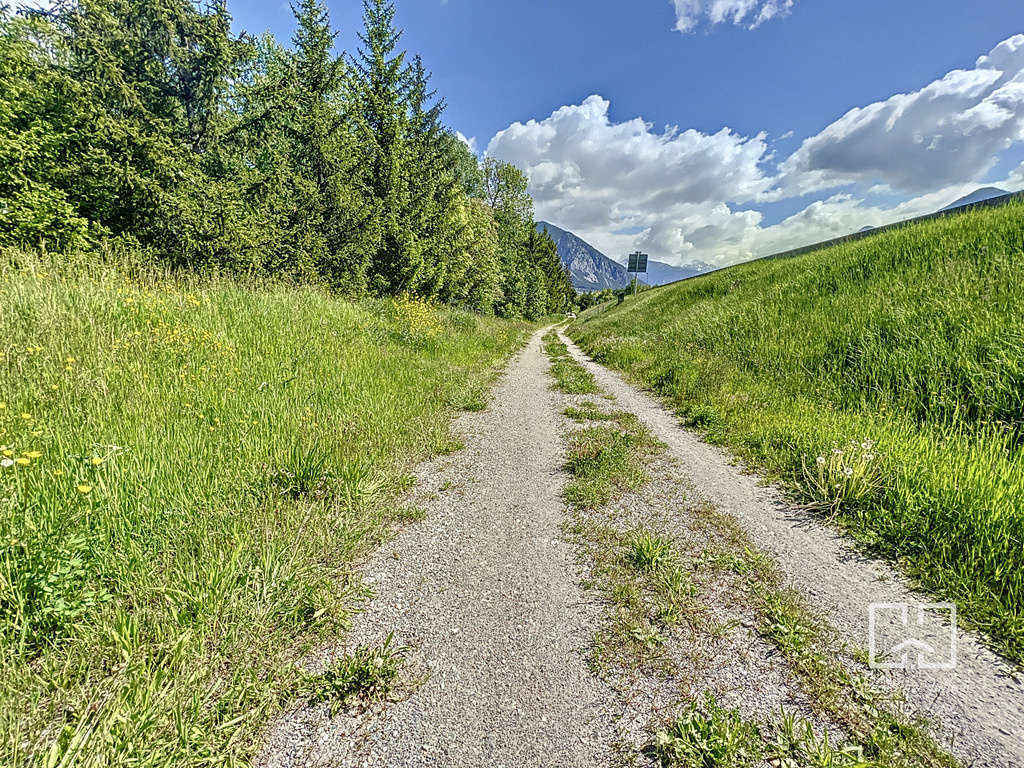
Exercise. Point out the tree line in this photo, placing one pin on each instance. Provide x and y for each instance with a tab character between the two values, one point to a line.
148	125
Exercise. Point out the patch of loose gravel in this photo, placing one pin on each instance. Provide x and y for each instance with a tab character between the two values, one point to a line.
977	708
486	595
720	653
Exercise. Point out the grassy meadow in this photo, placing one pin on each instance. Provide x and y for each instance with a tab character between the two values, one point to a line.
187	470
881	380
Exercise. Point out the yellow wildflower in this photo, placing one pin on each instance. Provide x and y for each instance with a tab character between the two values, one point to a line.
22	462
33	454
96	461
2	406
27	416
84	489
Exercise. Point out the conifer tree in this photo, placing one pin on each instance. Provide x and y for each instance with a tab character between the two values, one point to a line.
40	113
561	295
149	124
536	293
438	208
505	190
480	288
151	78
431	212
381	111
324	153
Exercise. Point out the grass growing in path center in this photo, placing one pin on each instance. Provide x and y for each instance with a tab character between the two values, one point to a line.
606	461
570	377
188	470
366	675
657	584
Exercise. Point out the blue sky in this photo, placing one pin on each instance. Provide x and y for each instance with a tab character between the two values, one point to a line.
602	81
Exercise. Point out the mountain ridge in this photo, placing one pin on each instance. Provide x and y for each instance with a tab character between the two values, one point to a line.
977	196
591	270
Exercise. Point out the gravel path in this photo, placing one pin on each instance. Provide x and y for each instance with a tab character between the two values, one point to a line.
714	648
487	596
978	706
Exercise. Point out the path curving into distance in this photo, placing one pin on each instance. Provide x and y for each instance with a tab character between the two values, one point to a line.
486	594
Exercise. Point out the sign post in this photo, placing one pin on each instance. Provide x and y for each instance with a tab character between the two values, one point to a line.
637	266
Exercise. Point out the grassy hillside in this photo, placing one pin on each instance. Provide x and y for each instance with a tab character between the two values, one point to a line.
187	471
883	380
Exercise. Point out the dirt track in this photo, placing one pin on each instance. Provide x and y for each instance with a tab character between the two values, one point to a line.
978	707
486	594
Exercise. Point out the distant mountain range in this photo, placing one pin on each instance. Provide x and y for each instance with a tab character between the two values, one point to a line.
660	273
977	196
591	270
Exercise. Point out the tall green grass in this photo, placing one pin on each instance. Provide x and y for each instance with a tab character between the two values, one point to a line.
190	470
904	352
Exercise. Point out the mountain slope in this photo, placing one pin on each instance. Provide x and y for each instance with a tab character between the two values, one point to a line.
590	269
977	196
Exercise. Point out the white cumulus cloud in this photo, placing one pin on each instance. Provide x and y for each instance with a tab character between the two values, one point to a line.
597	177
1015	182
947	132
748	13
578	159
469	142
678	193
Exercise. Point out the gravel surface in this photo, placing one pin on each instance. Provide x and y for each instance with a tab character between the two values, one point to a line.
721	653
977	707
486	595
